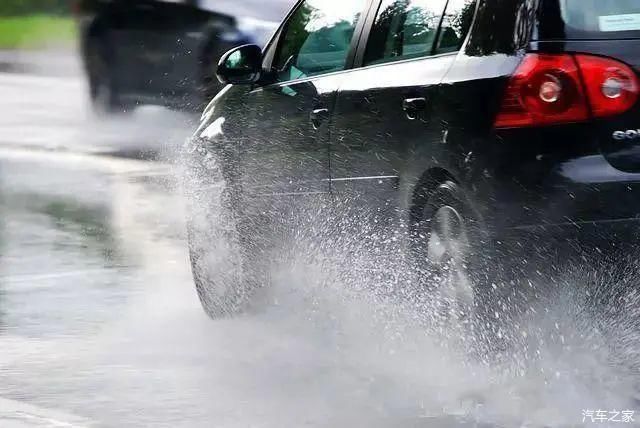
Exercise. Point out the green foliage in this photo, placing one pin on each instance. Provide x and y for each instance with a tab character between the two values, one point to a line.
26	7
36	31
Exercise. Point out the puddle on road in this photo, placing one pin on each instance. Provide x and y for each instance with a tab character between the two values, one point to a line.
125	343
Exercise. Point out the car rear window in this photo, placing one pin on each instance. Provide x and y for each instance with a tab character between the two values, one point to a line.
601	18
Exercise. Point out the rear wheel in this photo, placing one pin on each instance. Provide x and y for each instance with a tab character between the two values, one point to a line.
446	249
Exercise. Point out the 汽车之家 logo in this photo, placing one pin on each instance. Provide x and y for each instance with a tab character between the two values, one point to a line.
603	416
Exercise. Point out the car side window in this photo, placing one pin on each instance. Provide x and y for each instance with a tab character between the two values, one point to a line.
404	29
317	38
456	24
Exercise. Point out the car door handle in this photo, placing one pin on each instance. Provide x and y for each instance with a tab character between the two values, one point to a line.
318	116
414	104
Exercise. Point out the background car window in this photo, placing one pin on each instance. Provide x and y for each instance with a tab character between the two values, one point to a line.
404	29
456	25
317	38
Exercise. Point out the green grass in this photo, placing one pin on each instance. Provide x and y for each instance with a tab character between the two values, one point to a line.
36	32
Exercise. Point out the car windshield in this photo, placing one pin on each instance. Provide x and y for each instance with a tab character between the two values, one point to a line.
607	18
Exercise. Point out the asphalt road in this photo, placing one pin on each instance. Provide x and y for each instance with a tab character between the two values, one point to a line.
100	325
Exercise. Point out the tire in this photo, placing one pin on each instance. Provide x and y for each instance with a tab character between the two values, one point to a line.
224	272
104	95
219	283
452	258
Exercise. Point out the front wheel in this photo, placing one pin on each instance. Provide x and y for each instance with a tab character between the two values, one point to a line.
224	265
218	277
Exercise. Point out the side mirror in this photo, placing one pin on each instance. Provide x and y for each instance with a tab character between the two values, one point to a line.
240	66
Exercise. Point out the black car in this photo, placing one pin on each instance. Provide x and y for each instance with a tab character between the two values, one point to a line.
157	52
470	125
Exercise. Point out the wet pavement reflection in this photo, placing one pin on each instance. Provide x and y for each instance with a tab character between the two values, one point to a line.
66	245
85	244
100	319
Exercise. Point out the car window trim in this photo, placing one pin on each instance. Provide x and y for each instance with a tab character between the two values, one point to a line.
271	47
436	41
374	7
469	31
274	45
355	69
408	60
302	80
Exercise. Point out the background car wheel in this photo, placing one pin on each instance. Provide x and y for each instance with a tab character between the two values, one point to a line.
104	96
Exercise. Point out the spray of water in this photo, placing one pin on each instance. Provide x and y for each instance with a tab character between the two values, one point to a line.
340	283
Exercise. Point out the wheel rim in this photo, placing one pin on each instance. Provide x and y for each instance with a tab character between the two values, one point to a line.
448	248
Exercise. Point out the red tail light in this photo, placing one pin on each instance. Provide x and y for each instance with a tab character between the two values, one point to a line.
612	87
549	89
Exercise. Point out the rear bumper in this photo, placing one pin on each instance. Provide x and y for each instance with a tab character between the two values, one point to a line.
593	237
558	185
588	216
582	190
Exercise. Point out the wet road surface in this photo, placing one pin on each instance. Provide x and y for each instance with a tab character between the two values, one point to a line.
99	319
100	324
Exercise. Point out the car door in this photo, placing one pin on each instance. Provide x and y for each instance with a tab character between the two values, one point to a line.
386	130
287	149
